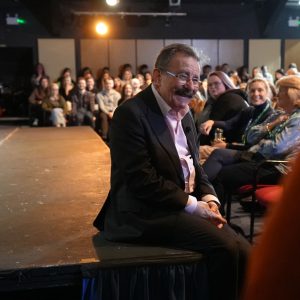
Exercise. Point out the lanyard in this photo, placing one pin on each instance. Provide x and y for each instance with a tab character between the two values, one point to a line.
281	126
252	122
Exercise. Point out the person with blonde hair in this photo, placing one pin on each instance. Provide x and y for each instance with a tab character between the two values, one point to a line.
55	104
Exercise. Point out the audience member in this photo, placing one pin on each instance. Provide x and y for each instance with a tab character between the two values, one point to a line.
118	84
205	71
136	85
56	106
234	77
159	193
86	73
83	105
225	68
141	78
91	87
39	72
67	88
148	78
127	93
143	69
66	72
243	74
279	74
256	72
196	105
126	76
266	74
292	69
224	102
36	99
107	100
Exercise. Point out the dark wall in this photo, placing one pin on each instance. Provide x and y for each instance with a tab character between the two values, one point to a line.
52	19
280	28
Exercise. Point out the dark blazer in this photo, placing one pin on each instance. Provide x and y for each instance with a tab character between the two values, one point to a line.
147	183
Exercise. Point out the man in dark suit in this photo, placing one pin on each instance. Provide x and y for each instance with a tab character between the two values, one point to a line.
159	193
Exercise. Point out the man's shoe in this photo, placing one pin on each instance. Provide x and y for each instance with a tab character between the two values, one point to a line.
246	203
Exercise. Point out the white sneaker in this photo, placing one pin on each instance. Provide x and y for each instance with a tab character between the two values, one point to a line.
35	122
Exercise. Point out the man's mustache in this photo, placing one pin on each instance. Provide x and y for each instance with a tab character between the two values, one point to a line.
184	92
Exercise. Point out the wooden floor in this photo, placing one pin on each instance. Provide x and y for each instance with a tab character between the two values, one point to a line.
53	182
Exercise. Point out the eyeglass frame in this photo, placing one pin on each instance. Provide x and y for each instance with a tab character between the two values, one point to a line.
183	81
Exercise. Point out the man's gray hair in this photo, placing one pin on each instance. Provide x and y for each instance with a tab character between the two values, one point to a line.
168	52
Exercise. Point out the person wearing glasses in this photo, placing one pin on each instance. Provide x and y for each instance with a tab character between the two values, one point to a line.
159	193
224	102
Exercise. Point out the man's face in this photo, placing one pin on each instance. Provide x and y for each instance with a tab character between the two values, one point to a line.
176	93
108	84
81	84
90	83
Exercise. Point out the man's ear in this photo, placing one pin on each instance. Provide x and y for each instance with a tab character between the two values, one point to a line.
156	78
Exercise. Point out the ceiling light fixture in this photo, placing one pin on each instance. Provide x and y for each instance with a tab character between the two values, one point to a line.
101	28
112	2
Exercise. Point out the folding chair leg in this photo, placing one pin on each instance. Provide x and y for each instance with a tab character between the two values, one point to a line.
252	216
228	207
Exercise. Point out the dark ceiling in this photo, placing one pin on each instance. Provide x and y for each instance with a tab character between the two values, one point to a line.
49	12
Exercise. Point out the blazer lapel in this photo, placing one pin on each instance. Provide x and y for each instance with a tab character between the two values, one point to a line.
190	133
161	130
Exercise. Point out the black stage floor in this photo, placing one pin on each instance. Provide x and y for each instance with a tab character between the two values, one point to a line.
53	182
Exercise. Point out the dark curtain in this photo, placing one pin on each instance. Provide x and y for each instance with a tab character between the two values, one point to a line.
162	282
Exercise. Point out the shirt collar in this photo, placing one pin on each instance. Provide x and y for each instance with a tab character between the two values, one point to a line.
165	108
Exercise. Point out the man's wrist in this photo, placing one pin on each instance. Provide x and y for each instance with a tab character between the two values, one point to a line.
191	204
209	197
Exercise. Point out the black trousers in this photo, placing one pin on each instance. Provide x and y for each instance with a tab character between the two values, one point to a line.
226	251
228	172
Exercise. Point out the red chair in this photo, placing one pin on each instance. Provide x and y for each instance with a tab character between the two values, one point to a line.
268	195
261	193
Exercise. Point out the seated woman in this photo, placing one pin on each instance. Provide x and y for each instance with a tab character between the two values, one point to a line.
36	99
259	93
276	138
223	103
55	104
126	94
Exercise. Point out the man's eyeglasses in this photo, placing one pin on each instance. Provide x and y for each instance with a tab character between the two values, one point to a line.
183	78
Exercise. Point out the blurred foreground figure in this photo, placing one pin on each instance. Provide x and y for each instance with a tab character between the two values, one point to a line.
274	269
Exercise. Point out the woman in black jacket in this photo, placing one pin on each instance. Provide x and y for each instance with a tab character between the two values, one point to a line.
224	102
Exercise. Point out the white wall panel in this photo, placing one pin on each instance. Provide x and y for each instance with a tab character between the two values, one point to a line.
57	54
94	54
147	51
208	50
231	52
265	52
121	52
292	51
